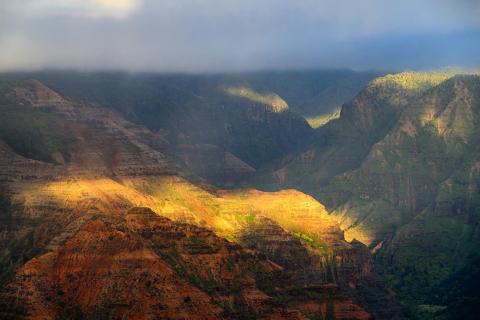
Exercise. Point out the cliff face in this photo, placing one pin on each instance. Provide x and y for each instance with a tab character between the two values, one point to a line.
87	140
399	171
71	244
104	271
143	266
224	127
205	119
343	144
435	179
434	137
63	208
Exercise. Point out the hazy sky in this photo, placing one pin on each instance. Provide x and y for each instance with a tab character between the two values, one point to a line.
217	35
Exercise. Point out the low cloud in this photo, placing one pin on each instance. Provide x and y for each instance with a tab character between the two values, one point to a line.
213	35
117	9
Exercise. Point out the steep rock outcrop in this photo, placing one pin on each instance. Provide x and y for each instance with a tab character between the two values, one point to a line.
411	197
53	208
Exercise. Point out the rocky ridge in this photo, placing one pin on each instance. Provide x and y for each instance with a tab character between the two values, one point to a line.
398	170
52	209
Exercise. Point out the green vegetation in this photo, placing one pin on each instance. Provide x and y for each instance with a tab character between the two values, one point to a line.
270	99
400	166
197	106
314	243
319	121
34	133
4	205
418	81
403	161
329	313
422	177
250	219
428	311
303	237
97	216
22	249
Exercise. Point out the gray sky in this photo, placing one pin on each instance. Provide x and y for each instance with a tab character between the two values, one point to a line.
229	35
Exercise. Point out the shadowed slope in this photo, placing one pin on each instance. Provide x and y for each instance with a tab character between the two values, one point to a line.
54	209
399	171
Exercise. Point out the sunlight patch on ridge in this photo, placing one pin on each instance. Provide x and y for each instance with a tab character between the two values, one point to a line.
270	98
319	121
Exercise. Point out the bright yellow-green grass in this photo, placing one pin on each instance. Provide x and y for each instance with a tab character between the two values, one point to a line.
414	80
228	213
318	121
270	98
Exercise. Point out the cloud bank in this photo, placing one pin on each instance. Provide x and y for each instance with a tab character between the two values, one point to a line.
231	35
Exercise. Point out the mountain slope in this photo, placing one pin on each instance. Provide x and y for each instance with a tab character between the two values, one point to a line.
399	172
66	211
343	144
423	175
204	123
199	116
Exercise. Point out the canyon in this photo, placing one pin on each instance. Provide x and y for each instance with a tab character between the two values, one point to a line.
101	221
211	197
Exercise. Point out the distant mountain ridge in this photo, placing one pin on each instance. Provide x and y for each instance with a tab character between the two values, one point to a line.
398	170
100	221
203	123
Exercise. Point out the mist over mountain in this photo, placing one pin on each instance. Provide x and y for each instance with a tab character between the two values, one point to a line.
208	36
